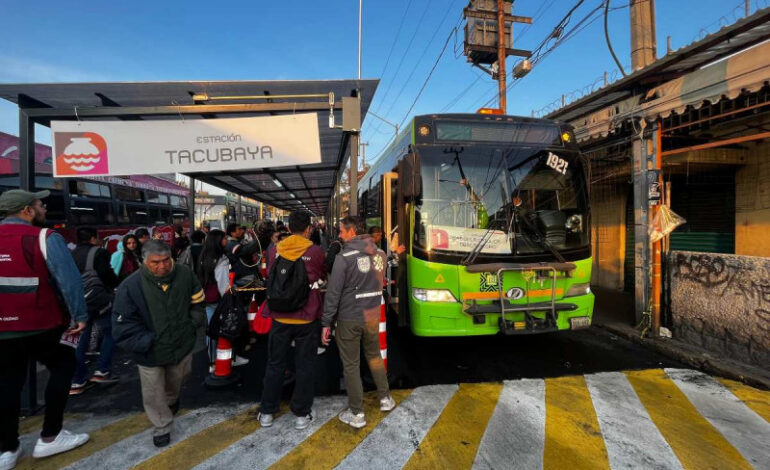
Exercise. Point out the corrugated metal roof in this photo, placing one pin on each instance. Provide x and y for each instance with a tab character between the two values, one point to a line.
311	185
729	40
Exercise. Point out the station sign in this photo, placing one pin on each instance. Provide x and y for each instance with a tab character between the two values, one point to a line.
116	148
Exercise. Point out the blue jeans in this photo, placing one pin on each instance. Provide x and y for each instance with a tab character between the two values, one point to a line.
212	344
105	352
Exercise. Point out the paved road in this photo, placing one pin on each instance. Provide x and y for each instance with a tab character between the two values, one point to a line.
653	418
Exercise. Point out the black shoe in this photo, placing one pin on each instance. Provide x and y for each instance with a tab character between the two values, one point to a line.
162	441
174	407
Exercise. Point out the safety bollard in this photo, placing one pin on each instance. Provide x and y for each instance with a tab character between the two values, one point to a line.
383	334
223	375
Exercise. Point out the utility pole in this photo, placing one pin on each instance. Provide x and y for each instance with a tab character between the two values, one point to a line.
643	43
363	154
489	40
646	172
501	91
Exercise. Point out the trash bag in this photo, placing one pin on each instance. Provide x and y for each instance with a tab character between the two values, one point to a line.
230	319
663	223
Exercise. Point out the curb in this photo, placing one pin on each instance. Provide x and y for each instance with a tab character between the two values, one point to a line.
694	356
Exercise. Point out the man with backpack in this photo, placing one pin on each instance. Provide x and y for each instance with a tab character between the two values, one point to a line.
296	271
99	283
353	296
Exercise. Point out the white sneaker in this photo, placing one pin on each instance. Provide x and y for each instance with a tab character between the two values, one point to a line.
303	421
64	441
240	361
356	420
387	403
8	459
265	419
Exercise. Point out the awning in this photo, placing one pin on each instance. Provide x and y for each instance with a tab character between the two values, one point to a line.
287	188
745	72
719	65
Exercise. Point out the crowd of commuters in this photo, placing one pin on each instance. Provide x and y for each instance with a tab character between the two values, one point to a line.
154	300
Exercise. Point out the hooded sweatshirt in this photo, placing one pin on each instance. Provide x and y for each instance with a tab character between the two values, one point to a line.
355	285
292	248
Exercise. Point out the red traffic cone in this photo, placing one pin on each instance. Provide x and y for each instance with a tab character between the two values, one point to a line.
223	375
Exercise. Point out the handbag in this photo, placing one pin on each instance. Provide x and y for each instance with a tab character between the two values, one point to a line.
261	323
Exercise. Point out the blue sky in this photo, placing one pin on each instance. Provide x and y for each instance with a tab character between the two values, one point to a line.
50	41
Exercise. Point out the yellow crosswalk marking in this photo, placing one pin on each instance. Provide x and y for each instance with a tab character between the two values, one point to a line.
572	435
694	440
757	400
35	423
454	439
100	439
328	446
31	423
207	443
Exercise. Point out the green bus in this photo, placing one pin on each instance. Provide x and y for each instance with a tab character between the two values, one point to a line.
492	214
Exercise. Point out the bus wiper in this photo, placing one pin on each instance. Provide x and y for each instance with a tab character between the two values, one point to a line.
471	257
540	238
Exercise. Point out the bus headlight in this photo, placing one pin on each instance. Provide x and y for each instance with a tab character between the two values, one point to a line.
578	289
433	295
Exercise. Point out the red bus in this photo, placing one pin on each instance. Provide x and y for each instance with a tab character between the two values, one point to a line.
113	205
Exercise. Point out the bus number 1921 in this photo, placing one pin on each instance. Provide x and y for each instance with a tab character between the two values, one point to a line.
557	163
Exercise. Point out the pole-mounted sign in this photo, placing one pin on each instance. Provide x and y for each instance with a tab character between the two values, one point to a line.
109	148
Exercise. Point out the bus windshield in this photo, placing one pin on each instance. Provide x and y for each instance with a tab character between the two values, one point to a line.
518	200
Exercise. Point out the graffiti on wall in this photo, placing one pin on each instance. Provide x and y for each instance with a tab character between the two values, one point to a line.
729	277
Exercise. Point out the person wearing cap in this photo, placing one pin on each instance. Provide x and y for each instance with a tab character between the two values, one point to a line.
42	311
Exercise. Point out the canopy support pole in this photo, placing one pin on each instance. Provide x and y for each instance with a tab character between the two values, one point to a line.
26	152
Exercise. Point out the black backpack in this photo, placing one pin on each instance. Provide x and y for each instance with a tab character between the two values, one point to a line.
288	286
98	297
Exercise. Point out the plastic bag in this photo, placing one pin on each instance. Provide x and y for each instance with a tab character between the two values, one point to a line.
663	223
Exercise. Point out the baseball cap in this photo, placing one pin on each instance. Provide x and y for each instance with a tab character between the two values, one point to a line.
15	200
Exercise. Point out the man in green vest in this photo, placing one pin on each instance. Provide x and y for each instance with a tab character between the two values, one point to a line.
158	312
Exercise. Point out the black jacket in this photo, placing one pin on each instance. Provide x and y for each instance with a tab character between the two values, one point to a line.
101	264
134	328
331	254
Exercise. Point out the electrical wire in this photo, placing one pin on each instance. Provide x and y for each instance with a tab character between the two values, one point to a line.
607	37
395	38
425	83
401	62
425	50
539	54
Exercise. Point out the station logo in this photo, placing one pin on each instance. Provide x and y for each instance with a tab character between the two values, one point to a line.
80	153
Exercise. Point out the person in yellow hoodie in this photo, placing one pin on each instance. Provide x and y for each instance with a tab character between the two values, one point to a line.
295	304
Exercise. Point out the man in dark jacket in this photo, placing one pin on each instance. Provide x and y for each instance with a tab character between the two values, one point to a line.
158	312
354	296
87	241
301	327
241	255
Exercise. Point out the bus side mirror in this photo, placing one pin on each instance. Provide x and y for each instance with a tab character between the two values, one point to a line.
409	175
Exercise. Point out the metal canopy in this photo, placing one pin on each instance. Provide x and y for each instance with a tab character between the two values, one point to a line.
287	188
729	40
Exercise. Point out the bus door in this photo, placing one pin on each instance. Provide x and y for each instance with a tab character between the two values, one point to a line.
390	228
393	229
